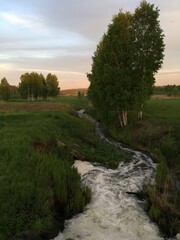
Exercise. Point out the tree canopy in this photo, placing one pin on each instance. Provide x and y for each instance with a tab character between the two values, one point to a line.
5	90
36	86
125	62
52	85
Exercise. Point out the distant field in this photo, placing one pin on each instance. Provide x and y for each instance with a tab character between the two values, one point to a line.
164	110
161	96
73	92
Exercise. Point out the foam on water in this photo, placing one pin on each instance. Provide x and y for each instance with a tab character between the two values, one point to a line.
113	214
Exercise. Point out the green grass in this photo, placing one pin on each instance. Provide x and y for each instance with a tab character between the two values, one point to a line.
32	180
38	186
163	110
165	113
159	129
74	101
79	134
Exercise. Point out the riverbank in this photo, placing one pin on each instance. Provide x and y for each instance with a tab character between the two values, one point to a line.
114	211
39	189
37	173
159	134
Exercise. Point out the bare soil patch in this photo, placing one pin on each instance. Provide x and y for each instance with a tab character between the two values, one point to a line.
162	96
44	147
32	106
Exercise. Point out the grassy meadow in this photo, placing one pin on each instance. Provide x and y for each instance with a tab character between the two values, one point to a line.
159	134
164	197
39	189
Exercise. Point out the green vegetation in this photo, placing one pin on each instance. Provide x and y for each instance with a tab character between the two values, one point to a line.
85	141
38	186
36	177
169	90
125	63
74	101
121	81
32	86
5	91
166	194
159	133
35	86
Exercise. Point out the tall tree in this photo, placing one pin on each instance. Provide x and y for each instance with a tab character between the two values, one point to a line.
109	90
5	91
25	86
52	85
42	86
125	62
32	86
149	47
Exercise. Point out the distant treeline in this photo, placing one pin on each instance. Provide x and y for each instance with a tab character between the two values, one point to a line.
32	86
169	90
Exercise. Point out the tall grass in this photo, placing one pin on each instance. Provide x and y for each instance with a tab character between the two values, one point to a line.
33	183
166	201
38	186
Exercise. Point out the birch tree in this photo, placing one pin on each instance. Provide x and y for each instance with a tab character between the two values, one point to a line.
33	86
149	48
52	85
110	74
125	63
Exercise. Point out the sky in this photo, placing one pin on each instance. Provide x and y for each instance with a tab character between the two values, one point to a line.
60	37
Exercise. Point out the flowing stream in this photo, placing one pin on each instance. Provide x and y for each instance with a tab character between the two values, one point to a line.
114	213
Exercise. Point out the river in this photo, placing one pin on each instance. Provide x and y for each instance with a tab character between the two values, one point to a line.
114	213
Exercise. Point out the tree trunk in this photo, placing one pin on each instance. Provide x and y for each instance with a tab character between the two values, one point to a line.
120	119
123	118
28	93
32	97
140	113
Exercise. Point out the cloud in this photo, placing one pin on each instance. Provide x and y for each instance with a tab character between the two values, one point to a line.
19	19
61	36
88	18
60	63
172	72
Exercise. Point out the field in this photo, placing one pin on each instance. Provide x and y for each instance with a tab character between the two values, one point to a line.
164	111
164	197
38	187
73	92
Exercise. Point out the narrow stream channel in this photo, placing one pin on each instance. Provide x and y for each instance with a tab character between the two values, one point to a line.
113	213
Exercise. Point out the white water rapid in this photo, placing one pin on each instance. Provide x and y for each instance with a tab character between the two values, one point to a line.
114	214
